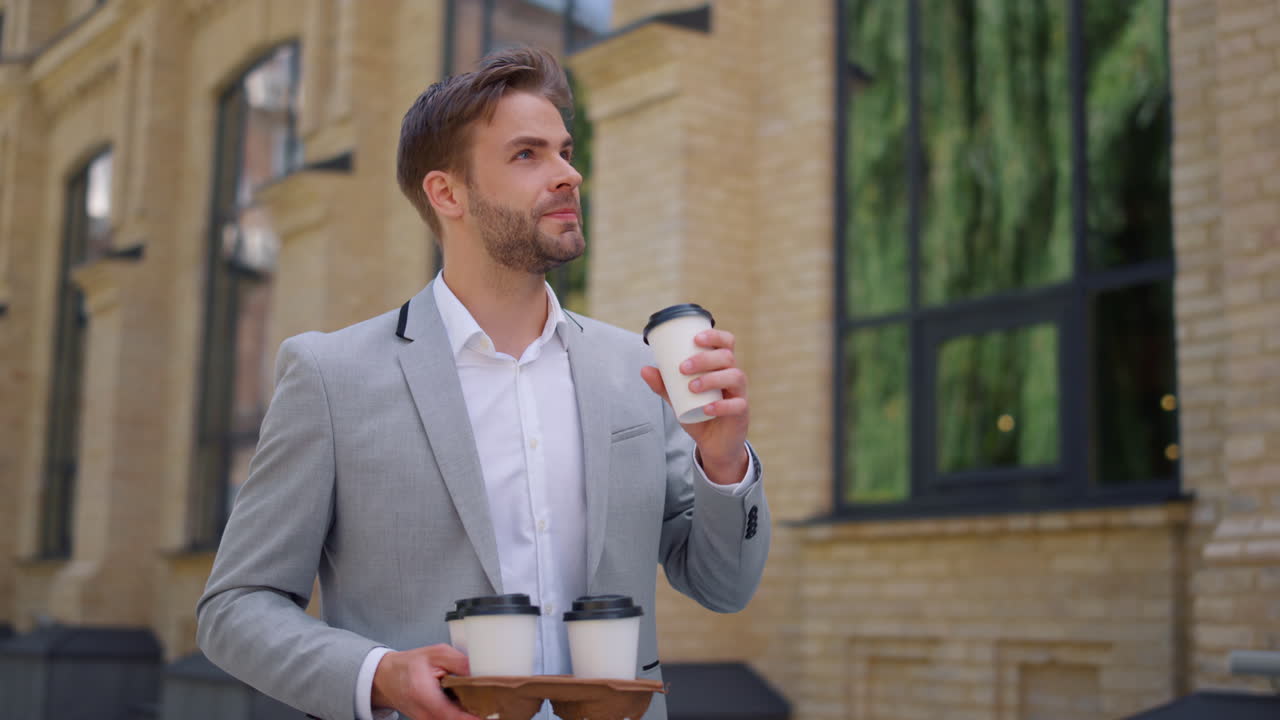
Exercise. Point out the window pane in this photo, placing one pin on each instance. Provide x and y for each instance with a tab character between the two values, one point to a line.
877	415
270	150
97	207
1135	424
998	399
592	20
995	135
1129	132
466	36
251	392
539	23
875	232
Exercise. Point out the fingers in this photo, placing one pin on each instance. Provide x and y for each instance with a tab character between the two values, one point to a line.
441	707
715	339
449	658
726	407
732	381
708	360
653	379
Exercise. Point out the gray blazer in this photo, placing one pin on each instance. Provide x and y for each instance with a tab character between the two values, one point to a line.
367	474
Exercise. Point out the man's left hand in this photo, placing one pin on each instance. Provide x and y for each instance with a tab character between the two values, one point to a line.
721	440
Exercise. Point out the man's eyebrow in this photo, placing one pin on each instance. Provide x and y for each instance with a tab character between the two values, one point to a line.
538	142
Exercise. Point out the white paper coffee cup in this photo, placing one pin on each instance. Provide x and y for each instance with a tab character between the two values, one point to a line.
604	637
501	635
457	633
670	333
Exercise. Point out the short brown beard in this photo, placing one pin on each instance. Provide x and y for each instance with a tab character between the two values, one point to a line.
515	241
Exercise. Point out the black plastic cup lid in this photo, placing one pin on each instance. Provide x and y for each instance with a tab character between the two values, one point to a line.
453	615
603	607
508	599
674	312
483	610
509	604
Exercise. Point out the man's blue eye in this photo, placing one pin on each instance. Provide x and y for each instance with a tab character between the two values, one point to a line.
524	154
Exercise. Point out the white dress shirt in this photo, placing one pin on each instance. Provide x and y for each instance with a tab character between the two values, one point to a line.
524	417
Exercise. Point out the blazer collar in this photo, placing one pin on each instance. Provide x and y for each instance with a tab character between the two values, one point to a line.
589	364
428	365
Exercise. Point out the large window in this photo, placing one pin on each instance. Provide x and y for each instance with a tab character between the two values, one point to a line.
256	143
1004	304
477	27
86	236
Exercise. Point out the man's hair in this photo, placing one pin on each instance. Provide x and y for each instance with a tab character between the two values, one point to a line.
437	130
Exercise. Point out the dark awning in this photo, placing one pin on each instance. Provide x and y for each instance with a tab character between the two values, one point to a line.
720	691
1216	704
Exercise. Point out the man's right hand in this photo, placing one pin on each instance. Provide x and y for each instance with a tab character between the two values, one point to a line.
409	682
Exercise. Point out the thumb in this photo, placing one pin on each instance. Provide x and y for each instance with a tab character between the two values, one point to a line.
653	379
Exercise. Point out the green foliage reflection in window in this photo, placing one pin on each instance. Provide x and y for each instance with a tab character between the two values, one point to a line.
966	192
998	400
875	442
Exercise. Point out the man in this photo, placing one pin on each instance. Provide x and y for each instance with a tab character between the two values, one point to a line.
479	440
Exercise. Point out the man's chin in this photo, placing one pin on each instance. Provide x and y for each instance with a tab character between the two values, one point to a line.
567	246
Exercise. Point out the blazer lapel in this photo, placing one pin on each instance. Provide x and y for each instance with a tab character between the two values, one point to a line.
589	367
428	365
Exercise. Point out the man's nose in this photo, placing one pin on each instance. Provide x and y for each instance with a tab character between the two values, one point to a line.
567	176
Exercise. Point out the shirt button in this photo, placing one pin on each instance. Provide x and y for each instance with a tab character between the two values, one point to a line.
547	610
542	526
534	443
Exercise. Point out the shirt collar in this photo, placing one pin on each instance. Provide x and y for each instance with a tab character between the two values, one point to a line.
463	330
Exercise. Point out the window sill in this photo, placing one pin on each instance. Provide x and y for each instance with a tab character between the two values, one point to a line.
900	522
36	562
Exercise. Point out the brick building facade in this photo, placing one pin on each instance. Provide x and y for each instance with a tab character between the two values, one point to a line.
714	179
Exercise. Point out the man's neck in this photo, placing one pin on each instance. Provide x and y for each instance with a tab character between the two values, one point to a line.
511	307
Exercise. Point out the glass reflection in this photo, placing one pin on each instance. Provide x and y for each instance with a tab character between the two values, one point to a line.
269	149
997	147
877	406
1129	115
98	207
1135	422
875	232
998	399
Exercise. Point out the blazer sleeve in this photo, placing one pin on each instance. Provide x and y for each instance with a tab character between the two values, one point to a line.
713	545
251	619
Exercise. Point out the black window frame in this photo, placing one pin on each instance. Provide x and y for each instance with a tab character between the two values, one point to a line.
70	345
1065	304
213	447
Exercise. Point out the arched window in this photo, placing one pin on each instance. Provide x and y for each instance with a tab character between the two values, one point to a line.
256	143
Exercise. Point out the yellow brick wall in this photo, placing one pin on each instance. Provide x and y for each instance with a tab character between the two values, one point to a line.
991	617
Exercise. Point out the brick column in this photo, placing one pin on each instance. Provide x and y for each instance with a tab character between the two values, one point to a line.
1226	57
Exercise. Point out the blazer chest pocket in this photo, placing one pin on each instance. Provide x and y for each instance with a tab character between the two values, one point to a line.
631	431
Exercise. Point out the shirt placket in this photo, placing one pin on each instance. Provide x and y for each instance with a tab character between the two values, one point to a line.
535	462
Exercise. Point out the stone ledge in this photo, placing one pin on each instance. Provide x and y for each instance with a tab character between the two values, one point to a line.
1166	515
302	200
618	85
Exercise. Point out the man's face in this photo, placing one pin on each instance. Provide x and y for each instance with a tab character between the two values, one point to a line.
522	190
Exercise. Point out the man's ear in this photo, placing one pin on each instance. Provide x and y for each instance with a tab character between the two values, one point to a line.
446	193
